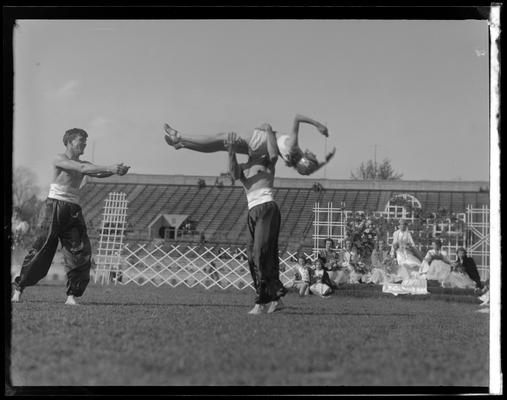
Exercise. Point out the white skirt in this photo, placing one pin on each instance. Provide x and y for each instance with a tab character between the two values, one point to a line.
438	271
320	289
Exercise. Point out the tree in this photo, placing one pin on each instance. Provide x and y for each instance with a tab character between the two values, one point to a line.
24	186
377	172
24	193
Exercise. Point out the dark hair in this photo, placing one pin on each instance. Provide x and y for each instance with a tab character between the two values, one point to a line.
461	249
320	260
329	240
71	134
308	164
438	242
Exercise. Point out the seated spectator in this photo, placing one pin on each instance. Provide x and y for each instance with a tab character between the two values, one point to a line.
381	264
331	259
321	285
302	276
351	262
466	265
458	278
403	247
436	265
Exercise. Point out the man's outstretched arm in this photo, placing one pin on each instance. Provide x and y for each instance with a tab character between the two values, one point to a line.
301	118
87	168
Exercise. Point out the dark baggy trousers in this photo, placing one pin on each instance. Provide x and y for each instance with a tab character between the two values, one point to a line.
59	220
264	227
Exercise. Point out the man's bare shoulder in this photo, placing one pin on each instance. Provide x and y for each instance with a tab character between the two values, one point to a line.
64	157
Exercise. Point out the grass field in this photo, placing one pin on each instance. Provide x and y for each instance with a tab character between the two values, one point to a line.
128	335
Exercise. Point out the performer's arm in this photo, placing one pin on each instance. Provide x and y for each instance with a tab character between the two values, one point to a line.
328	157
87	168
234	169
301	118
272	147
98	174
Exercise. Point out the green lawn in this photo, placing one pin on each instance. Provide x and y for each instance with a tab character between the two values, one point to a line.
128	335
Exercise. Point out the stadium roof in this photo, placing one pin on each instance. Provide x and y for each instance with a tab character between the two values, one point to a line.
220	211
401	185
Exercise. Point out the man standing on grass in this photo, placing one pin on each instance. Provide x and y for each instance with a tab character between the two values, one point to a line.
62	219
257	176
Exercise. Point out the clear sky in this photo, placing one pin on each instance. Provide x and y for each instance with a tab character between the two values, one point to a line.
417	89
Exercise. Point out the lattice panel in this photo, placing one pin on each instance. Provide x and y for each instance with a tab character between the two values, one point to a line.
158	264
112	234
478	226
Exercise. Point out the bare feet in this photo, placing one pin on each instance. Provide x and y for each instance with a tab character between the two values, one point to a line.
171	137
71	301
275	306
258	309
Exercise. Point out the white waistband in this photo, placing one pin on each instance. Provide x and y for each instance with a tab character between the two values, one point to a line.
259	196
64	193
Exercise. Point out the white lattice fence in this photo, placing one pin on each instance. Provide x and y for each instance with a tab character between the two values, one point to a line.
159	264
112	234
477	220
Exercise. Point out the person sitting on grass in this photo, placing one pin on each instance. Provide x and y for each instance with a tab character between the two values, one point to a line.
467	267
321	284
330	259
436	266
403	248
458	278
351	262
302	276
381	264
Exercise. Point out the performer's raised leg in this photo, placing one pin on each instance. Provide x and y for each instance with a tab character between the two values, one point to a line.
202	143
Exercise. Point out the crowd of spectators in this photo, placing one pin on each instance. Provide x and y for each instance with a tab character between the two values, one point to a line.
402	261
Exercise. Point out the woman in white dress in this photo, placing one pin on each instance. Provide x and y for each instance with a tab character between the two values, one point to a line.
436	266
404	248
381	264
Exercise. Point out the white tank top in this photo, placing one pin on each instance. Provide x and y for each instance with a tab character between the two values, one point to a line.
64	193
259	196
